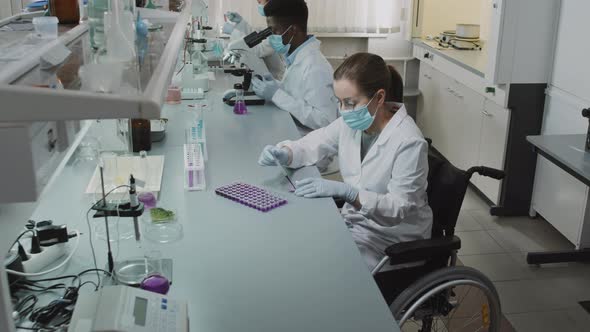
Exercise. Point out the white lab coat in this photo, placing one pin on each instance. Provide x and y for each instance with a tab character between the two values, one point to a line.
391	180
274	63
307	90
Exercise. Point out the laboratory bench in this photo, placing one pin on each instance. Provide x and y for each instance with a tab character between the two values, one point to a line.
295	268
567	152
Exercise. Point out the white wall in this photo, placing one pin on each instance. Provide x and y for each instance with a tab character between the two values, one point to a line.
440	15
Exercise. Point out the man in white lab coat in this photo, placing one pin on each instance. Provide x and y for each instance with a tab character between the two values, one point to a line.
306	90
382	154
241	28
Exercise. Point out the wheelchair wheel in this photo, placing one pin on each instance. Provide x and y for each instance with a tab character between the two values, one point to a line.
452	299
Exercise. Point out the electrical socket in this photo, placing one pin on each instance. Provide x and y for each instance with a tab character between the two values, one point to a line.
48	255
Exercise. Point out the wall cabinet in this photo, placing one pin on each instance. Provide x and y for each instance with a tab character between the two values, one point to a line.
468	129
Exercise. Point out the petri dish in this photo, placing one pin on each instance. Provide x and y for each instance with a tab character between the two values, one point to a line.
133	271
163	233
162	230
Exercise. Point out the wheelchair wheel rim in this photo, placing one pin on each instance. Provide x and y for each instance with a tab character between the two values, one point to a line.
474	319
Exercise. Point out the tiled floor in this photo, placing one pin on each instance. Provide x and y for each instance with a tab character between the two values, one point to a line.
533	298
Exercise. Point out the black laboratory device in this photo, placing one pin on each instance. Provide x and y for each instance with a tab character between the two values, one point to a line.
586	114
256	38
250	98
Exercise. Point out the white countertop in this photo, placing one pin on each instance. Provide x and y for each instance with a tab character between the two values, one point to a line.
474	61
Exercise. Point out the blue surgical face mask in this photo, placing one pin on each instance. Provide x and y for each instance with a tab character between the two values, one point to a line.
261	10
360	118
276	42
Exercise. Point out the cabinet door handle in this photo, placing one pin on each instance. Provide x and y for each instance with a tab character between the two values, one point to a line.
486	113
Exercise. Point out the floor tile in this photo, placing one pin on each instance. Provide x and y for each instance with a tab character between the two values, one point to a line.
466	222
478	242
497	267
546	322
525	235
537	295
487	221
580	316
548	271
473	202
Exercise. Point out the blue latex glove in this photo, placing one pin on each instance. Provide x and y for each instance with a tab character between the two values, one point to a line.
317	187
234	17
271	154
265	88
228	28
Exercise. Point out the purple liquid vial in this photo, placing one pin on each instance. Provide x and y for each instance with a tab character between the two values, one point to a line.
240	106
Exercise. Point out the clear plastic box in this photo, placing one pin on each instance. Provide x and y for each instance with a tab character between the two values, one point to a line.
45	27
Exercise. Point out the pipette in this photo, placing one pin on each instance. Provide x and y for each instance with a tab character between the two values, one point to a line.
284	170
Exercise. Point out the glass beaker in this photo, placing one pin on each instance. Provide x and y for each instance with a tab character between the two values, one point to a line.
96	10
110	170
240	106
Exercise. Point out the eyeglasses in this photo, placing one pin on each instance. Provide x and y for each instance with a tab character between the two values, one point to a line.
347	104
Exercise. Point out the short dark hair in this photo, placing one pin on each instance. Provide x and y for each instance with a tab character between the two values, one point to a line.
288	12
370	73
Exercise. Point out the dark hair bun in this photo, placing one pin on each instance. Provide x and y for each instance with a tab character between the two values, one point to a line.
371	74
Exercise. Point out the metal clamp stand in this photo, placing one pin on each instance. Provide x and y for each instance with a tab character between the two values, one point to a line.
132	209
586	114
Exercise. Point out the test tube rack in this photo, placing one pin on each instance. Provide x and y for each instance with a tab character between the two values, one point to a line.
196	135
194	168
251	196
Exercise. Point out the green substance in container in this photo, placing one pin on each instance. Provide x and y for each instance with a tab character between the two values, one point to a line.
160	215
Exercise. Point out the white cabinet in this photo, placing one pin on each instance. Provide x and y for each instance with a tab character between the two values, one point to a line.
560	198
492	147
466	128
448	107
468	123
428	116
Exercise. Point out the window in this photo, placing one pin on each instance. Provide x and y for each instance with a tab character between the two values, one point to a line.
342	16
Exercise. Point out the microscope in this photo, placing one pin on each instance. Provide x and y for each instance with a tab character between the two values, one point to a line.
245	63
239	53
586	114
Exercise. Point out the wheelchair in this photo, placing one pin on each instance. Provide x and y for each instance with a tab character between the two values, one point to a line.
426	290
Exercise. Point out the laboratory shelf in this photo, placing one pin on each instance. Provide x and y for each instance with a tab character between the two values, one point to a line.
30	93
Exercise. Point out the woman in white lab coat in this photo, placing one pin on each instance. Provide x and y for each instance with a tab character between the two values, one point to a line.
382	154
241	28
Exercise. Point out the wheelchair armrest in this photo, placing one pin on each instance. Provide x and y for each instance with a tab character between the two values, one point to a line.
420	250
